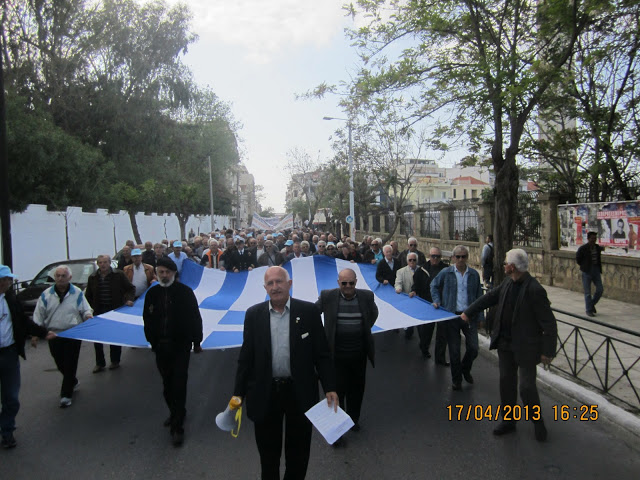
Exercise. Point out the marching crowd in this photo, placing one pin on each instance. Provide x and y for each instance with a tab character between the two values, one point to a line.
286	346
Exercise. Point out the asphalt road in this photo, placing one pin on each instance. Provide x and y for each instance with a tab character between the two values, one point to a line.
114	428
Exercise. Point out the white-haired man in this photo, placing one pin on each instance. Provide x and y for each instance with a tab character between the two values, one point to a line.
524	333
412	247
59	308
374	255
404	282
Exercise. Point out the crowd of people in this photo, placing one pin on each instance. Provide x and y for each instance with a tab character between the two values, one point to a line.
277	378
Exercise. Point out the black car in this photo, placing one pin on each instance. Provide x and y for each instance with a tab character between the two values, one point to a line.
31	290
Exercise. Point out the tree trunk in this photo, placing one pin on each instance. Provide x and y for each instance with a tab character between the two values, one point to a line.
182	220
506	201
134	227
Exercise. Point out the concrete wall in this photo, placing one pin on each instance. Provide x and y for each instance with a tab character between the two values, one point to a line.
40	237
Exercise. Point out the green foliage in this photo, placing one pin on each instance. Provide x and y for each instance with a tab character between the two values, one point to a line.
104	112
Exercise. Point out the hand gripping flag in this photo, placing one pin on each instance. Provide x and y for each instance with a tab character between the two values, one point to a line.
224	298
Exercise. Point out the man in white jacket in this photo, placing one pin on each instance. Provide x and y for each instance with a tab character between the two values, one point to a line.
60	308
404	282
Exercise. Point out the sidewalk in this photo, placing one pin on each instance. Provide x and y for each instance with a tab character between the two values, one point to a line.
623	373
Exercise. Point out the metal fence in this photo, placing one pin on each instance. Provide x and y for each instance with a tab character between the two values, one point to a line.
608	360
407	224
430	224
465	223
528	220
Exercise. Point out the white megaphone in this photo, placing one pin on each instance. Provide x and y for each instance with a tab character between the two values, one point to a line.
231	418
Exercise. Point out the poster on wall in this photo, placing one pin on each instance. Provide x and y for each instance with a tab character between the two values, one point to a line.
615	222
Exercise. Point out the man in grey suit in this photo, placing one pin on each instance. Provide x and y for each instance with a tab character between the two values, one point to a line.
525	334
349	314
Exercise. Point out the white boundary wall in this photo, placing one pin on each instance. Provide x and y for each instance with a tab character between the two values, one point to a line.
38	236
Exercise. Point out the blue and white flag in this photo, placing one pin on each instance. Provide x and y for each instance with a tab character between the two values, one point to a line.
224	298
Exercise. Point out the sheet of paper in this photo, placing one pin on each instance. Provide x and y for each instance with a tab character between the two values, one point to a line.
331	425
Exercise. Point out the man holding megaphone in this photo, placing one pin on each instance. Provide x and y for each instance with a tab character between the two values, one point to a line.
284	352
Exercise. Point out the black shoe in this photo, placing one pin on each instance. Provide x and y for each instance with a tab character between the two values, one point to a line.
444	364
8	441
593	309
426	354
540	431
591	313
457	386
177	438
167	422
467	376
504	428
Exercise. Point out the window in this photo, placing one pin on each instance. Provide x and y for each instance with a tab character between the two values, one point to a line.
454	193
474	193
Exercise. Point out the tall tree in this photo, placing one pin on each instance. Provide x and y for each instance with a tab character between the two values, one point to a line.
482	65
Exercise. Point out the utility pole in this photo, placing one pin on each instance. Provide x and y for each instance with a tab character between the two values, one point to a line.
5	214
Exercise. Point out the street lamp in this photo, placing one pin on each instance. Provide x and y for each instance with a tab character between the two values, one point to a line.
351	199
213	223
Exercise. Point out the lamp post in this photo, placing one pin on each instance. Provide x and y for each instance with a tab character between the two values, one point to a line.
351	198
213	223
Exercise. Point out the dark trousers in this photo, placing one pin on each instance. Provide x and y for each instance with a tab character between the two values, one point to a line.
351	372
470	331
173	364
510	373
65	352
425	332
297	436
9	388
115	353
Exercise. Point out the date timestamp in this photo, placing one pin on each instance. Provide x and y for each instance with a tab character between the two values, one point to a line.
583	413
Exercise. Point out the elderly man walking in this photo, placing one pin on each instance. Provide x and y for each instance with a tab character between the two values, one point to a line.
59	308
525	334
404	282
455	288
14	328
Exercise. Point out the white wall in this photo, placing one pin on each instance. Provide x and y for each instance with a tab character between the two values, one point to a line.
38	237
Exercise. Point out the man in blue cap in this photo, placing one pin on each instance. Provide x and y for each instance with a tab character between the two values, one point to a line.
14	328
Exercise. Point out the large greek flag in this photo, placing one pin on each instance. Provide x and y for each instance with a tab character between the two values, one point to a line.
224	297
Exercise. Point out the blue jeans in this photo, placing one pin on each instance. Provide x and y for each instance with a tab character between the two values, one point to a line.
587	277
10	387
470	331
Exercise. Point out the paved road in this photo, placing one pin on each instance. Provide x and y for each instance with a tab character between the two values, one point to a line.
114	428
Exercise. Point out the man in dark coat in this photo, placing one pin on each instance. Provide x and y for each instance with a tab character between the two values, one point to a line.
421	285
388	267
284	352
589	258
172	325
14	328
525	334
241	259
349	315
108	289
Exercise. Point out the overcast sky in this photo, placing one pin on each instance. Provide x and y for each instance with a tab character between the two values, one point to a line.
258	55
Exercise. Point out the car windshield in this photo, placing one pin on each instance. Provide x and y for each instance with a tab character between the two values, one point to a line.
79	271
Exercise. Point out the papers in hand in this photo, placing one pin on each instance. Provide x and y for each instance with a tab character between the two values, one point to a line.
331	425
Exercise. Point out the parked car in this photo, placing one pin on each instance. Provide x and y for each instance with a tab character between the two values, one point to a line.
31	290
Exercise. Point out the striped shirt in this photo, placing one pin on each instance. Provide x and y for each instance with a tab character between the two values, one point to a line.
349	328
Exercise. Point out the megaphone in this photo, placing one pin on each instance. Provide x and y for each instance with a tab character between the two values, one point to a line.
231	417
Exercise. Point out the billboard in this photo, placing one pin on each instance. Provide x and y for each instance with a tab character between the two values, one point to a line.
615	222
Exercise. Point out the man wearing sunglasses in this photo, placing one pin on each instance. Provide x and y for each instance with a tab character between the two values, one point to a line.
412	247
455	288
349	314
421	285
404	282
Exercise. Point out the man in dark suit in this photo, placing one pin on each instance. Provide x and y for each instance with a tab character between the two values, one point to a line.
388	267
349	314
14	328
525	334
284	351
242	259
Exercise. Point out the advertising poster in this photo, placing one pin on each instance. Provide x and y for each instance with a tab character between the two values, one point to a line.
615	222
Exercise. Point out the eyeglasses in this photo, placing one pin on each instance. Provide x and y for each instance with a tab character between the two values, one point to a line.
330	248
344	284
436	256
374	244
413	244
461	256
412	260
